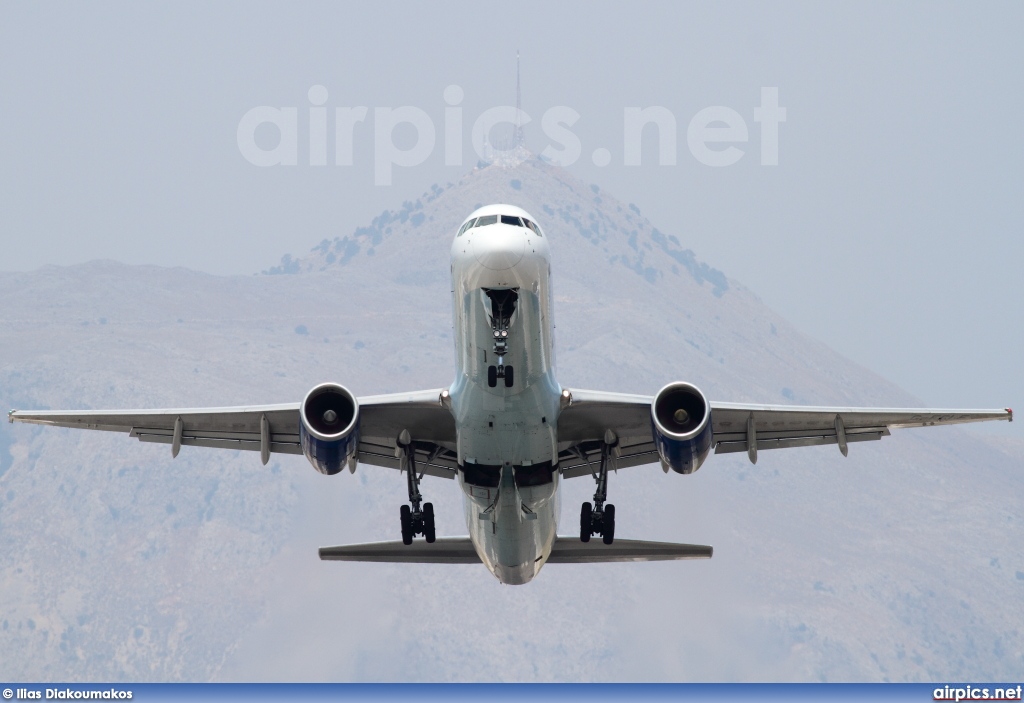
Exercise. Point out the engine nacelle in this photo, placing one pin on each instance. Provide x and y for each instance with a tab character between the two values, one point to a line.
681	418
329	427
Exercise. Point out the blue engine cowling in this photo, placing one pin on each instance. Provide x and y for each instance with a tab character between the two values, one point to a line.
329	427
681	419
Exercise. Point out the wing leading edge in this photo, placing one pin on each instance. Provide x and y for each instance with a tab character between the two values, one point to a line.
736	427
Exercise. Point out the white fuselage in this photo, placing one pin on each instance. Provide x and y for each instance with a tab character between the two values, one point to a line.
507	436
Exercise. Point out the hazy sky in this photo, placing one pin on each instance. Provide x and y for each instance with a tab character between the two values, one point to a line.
890	228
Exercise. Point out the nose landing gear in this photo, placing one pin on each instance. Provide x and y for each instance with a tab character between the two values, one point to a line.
415	520
599	519
500	371
503	305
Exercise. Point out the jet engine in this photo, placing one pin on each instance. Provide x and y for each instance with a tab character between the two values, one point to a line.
681	418
329	427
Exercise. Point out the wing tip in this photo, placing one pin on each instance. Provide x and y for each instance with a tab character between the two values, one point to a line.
10	415
1009	414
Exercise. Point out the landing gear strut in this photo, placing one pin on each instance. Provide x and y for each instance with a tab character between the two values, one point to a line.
416	520
599	519
503	304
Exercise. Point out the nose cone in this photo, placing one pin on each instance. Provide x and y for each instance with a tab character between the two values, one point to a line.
499	247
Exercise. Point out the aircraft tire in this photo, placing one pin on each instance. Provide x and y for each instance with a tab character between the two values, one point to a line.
508	377
406	514
428	523
492	376
586	516
608	533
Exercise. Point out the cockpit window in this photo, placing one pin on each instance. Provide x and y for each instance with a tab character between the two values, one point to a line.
505	220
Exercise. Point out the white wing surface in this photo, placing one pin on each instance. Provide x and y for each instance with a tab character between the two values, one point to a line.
275	428
736	427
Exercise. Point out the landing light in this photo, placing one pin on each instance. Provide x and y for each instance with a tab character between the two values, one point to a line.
504	333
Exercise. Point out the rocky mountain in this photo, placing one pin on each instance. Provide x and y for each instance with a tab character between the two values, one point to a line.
903	562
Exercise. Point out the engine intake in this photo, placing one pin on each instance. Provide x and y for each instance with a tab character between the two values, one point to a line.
681	420
329	427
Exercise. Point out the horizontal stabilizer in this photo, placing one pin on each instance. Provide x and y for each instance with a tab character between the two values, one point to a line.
567	550
444	550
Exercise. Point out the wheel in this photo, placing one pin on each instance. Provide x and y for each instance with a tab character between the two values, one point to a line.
428	522
492	376
508	377
407	524
609	524
586	516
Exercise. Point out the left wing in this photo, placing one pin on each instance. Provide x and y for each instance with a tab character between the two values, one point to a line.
736	427
275	428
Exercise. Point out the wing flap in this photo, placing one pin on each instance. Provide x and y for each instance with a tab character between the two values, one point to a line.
279	444
726	446
585	458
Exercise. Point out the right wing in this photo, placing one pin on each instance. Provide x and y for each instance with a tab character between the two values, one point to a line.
275	428
736	427
566	550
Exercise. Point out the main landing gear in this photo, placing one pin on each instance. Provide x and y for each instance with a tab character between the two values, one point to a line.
599	519
415	520
503	304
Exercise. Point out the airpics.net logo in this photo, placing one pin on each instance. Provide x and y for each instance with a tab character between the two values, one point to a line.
715	136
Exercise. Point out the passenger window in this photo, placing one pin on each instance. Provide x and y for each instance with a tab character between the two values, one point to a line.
487	220
510	220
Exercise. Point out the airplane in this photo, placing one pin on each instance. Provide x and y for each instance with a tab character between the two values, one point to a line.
505	429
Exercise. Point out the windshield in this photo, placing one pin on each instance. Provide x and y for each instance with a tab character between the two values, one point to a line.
493	220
